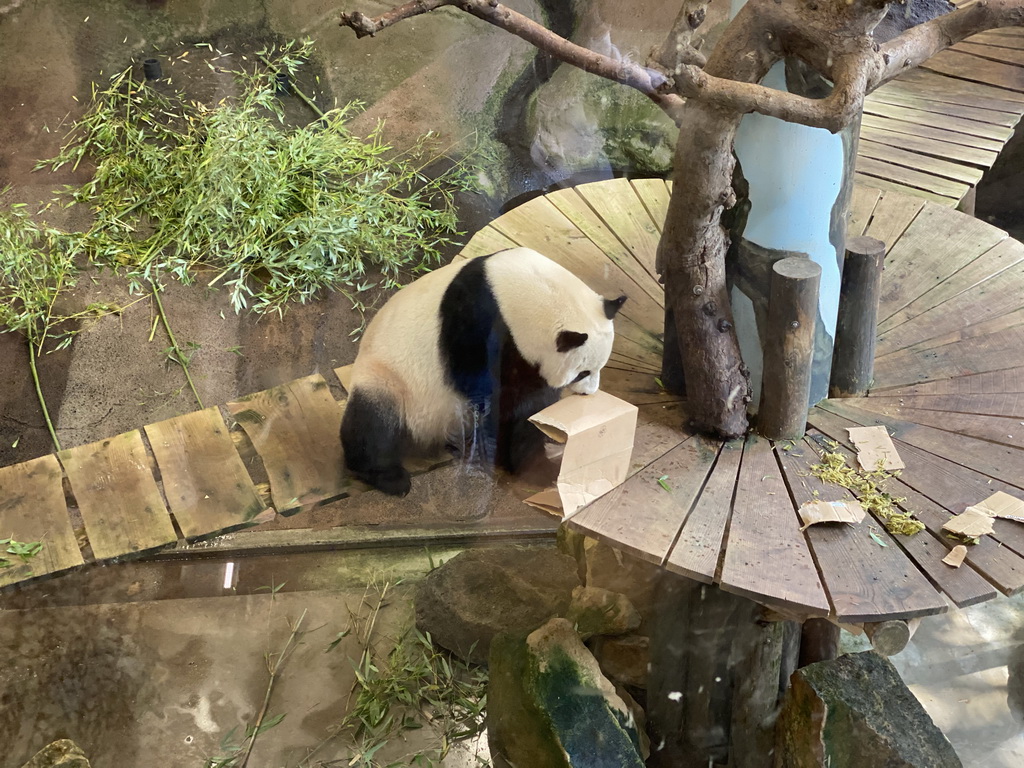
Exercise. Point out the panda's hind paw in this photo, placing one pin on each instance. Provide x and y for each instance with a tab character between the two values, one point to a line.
394	482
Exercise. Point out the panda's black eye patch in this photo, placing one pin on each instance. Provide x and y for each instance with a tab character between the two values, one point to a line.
581	376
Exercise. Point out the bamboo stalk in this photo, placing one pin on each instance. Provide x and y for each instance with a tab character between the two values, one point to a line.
180	357
39	393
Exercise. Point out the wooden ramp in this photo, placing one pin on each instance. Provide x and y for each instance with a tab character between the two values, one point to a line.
950	388
934	131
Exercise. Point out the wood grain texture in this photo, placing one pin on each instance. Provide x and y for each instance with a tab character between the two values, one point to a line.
654	194
658	497
697	551
32	509
204	479
975	69
927	163
295	428
923	103
933	133
1000	381
862	206
864	580
118	497
885	185
767	558
944	121
618	209
960	91
979	158
911	178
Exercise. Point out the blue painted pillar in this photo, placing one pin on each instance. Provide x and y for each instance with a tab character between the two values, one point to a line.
793	199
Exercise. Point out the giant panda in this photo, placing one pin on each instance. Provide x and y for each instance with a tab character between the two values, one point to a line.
472	350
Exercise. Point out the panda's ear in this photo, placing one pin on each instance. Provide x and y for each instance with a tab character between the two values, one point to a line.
612	306
567	340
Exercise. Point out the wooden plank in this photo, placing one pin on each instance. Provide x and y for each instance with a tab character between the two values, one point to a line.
999	462
953	88
925	163
117	496
968	67
620	209
868	166
1003	430
660	427
898	98
698	549
766	555
33	509
987	302
947	122
1008	405
862	205
892	216
902	189
1001	257
485	241
577	209
998	381
936	245
981	158
964	586
1003	54
998	40
934	489
204	479
641	516
634	387
875	122
295	429
654	194
993	352
864	581
543	227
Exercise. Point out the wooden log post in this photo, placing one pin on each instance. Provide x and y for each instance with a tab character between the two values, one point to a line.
853	361
891	637
789	349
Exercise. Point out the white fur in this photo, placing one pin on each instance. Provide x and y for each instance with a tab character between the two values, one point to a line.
400	354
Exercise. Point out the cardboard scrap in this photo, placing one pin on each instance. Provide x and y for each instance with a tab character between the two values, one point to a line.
344	375
598	434
812	512
972	523
1003	505
873	446
956	556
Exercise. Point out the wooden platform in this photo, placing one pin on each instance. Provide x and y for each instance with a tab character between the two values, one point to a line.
935	130
950	388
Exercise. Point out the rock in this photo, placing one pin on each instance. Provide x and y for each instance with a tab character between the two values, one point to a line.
856	711
549	706
625	660
481	592
597	611
617	571
63	753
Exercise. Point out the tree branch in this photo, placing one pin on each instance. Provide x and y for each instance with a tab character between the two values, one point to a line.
920	43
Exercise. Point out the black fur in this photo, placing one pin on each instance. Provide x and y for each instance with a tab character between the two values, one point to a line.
372	438
483	363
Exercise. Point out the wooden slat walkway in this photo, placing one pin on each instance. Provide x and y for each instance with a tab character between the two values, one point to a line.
934	131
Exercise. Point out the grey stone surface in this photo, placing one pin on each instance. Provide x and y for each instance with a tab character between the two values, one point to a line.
856	711
596	611
464	603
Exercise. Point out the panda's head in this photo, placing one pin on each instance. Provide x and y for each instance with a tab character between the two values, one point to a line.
581	354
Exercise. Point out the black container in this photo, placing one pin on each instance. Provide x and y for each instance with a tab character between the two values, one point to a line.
151	69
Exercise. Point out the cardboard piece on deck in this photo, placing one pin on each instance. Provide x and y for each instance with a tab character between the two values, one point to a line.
598	432
956	556
873	446
972	522
812	512
344	375
1003	505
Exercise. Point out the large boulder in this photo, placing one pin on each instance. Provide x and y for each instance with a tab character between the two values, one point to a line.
856	711
549	706
597	611
63	753
471	598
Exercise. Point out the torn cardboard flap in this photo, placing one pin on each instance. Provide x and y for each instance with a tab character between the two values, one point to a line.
956	556
972	522
1002	505
813	512
598	434
873	446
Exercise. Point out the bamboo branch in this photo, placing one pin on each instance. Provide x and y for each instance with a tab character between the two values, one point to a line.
39	393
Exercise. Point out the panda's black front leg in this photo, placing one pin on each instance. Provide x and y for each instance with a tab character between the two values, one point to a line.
371	438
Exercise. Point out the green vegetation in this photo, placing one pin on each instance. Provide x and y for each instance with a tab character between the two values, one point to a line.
25	550
272	213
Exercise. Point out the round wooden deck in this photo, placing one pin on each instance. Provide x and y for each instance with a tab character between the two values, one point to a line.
949	374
